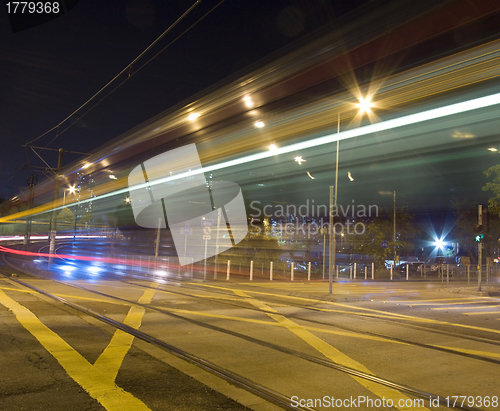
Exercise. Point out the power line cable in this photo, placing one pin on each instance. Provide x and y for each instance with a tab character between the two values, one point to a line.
127	68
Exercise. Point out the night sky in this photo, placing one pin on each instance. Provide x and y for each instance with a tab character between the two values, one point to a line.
48	71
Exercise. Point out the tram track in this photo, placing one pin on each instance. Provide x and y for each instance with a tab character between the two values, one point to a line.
228	375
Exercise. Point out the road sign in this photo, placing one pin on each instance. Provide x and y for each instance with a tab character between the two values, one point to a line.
207	237
207	230
186	230
207	222
385	244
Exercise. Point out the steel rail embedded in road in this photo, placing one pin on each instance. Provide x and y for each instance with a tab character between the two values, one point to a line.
231	377
242	382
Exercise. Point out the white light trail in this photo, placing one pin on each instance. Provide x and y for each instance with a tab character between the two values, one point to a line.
423	116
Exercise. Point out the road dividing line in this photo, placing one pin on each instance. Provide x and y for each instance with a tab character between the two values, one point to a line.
96	383
111	359
333	354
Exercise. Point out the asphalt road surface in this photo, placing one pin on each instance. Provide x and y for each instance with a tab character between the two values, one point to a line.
80	339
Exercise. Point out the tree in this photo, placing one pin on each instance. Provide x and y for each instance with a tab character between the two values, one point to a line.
380	231
493	202
66	216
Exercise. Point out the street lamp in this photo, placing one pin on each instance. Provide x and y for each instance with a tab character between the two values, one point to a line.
364	106
71	190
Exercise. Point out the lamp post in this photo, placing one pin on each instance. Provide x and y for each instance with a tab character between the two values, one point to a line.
394	238
71	190
394	232
364	105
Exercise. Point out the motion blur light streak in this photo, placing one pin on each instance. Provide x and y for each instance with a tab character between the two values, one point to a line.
423	116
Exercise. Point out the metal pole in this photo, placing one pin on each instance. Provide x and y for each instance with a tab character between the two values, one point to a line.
331	250
27	233
158	238
309	272
394	234
291	271
251	270
53	223
217	244
228	269
366	272
205	263
271	271
324	250
479	248
373	271
407	271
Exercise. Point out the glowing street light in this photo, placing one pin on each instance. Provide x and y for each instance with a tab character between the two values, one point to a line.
364	105
259	124
193	116
273	147
71	189
299	159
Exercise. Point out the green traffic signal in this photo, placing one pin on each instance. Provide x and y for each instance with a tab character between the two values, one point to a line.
479	238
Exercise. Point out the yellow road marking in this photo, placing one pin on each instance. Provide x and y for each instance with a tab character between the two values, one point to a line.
263	322
483	312
14	289
331	353
90	378
384	313
111	359
216	297
474	352
437	299
466	308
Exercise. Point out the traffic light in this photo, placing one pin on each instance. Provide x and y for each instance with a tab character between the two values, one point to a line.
478	229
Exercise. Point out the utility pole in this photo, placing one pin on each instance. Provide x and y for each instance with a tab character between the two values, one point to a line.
32	182
331	244
479	247
394	233
53	222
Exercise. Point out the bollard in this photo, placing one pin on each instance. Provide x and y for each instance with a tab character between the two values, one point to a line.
355	270
366	272
309	272
373	271
337	268
350	272
468	274
251	270
447	274
391	272
407	271
271	271
228	269
291	271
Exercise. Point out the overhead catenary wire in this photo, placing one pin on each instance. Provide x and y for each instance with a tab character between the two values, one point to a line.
128	69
